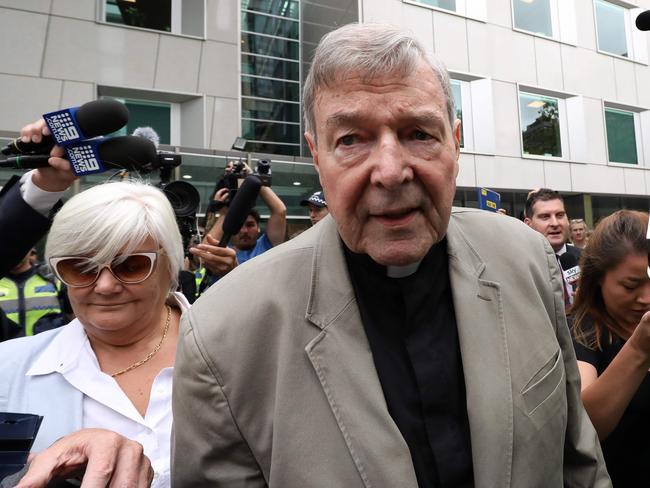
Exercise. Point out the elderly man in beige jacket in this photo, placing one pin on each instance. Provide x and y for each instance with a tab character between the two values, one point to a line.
397	343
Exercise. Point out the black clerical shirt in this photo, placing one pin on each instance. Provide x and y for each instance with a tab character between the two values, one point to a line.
411	327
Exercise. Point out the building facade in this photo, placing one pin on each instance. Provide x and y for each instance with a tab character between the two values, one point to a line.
551	92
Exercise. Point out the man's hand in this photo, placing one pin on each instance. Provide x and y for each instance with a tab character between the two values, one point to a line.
218	260
107	458
59	176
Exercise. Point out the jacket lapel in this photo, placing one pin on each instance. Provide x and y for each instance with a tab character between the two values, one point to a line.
484	351
342	360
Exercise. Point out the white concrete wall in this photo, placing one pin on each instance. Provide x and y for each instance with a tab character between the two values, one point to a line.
55	54
489	47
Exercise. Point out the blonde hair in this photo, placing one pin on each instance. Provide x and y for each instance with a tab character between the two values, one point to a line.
115	218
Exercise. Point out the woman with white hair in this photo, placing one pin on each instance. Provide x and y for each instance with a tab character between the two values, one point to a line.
118	249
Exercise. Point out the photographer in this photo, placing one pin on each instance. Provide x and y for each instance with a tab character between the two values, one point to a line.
249	242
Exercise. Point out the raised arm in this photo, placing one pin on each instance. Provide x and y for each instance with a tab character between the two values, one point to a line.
276	227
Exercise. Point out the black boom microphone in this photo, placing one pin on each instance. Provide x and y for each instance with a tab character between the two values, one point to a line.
239	207
96	118
643	21
123	152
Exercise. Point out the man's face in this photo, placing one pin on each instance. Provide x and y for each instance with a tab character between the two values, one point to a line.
578	231
247	236
549	218
387	159
316	213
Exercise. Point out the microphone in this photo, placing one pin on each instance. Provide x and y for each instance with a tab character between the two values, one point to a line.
570	268
643	21
97	155
147	133
96	118
239	207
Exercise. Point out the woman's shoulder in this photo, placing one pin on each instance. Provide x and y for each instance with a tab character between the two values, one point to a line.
23	349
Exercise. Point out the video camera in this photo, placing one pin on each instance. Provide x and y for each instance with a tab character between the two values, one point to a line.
233	179
184	198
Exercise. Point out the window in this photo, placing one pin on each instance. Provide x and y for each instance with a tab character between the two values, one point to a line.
470	8
540	125
548	18
175	16
143	113
270	76
474	108
534	16
612	28
621	135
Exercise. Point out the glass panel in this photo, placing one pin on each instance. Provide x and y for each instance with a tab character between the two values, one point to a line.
610	21
150	14
540	120
268	131
143	113
280	48
283	8
263	109
270	148
271	67
269	25
263	88
533	16
446	4
458	102
621	136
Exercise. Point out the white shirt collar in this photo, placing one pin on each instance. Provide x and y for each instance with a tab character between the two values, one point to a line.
561	251
62	354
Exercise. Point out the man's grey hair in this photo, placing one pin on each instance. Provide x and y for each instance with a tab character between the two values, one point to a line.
372	50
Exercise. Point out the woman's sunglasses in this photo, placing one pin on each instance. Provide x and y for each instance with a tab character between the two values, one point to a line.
77	271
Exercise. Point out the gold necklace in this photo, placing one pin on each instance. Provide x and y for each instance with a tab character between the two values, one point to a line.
152	353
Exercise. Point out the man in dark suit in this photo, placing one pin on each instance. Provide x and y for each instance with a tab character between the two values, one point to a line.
26	202
546	214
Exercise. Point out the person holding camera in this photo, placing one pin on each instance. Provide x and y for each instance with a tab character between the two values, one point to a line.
250	241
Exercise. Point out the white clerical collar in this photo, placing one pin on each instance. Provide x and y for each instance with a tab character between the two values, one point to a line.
402	271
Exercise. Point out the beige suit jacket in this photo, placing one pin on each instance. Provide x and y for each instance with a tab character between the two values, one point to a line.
274	383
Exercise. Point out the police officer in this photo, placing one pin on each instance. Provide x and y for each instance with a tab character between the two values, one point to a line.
30	300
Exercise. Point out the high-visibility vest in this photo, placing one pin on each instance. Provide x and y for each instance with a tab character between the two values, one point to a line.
199	274
27	303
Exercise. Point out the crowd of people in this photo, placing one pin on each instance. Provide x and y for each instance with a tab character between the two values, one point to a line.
395	343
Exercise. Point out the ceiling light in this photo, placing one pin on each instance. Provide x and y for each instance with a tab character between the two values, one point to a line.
187	177
536	104
296	183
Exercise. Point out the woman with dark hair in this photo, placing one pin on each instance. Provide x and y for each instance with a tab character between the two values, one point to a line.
611	329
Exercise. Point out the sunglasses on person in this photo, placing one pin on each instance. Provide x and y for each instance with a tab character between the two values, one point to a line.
79	271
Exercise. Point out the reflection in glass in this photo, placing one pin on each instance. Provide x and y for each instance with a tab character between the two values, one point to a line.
269	25
458	102
273	148
268	110
446	4
610	22
621	136
271	67
251	43
533	16
267	131
283	8
265	88
540	122
149	14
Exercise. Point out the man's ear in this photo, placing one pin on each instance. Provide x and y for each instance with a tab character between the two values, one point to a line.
528	222
311	142
456	131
